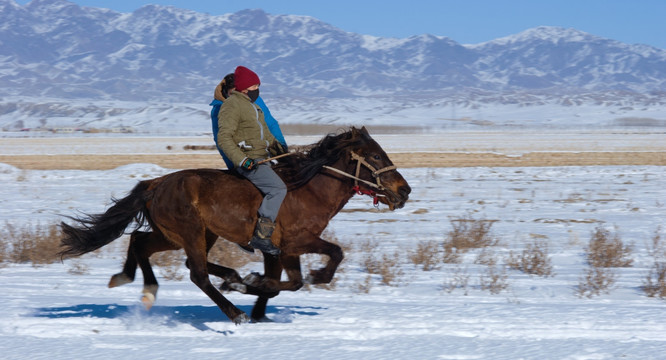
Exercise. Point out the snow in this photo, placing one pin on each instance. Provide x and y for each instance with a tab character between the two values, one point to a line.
49	313
482	111
551	34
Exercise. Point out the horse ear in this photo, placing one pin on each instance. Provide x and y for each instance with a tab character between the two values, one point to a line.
365	131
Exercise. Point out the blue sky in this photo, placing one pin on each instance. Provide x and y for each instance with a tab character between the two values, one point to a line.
465	21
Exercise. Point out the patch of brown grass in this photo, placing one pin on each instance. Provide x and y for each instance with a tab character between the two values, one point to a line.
607	250
426	254
386	265
654	283
364	286
595	281
494	279
533	260
458	279
3	250
36	244
77	267
468	233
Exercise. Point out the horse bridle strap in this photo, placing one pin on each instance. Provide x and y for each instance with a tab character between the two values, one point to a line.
375	173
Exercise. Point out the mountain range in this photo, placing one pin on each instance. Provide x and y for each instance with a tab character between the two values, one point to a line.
57	49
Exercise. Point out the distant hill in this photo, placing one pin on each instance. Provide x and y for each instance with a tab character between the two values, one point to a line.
57	49
155	69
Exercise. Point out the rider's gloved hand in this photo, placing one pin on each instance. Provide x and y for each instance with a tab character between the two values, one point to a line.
248	164
277	149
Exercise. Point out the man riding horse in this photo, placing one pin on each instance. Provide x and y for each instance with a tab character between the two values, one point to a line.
183	211
245	138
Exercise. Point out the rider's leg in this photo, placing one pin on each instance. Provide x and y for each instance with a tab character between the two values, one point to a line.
274	190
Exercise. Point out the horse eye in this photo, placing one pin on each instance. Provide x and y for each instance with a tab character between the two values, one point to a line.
377	157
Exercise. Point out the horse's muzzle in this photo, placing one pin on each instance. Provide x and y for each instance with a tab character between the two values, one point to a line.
397	199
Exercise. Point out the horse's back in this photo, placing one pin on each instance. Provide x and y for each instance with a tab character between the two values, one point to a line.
207	187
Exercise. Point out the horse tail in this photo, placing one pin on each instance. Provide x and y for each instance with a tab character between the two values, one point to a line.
94	231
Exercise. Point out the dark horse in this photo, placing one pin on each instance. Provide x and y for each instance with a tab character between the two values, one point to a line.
190	209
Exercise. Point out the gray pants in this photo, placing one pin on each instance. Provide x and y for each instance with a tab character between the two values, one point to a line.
271	185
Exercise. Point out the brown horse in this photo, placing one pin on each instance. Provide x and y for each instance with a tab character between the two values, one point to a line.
190	209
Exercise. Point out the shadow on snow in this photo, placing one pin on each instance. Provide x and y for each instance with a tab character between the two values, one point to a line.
195	315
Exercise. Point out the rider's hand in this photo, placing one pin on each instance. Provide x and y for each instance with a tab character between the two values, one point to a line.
277	148
248	164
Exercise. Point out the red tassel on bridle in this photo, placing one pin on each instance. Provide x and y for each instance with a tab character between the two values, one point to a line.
375	173
375	198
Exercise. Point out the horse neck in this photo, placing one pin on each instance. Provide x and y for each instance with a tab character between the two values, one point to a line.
331	190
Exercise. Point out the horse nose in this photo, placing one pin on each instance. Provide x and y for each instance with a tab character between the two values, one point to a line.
404	191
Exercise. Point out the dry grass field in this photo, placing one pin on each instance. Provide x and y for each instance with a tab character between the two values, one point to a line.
411	148
403	160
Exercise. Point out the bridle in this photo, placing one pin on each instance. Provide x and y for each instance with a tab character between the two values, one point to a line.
375	174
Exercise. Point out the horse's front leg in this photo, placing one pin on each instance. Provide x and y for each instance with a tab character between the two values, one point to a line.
230	276
291	263
334	253
261	285
267	286
292	266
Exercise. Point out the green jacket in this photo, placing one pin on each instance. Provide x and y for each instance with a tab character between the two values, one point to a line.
243	133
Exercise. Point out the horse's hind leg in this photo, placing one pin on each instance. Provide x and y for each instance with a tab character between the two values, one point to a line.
142	245
129	268
155	243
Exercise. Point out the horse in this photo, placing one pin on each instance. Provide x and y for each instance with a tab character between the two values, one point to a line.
191	208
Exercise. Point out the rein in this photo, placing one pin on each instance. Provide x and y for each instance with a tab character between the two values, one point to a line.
375	173
275	157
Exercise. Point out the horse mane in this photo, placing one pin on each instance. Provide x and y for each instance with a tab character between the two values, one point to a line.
299	169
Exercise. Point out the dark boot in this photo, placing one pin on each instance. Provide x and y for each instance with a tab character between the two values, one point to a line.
261	239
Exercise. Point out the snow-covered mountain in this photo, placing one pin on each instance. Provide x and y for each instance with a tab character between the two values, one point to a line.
56	48
66	65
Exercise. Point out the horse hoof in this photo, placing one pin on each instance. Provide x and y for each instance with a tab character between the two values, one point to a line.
263	320
241	319
148	300
242	288
253	279
119	279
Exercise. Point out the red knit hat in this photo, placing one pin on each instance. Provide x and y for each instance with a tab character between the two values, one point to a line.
244	78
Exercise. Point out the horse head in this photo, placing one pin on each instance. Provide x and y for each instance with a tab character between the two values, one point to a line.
355	155
375	173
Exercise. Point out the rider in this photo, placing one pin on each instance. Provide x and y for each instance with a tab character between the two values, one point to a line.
245	139
222	91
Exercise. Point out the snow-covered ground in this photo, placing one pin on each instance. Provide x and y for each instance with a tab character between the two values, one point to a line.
49	313
507	142
485	112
